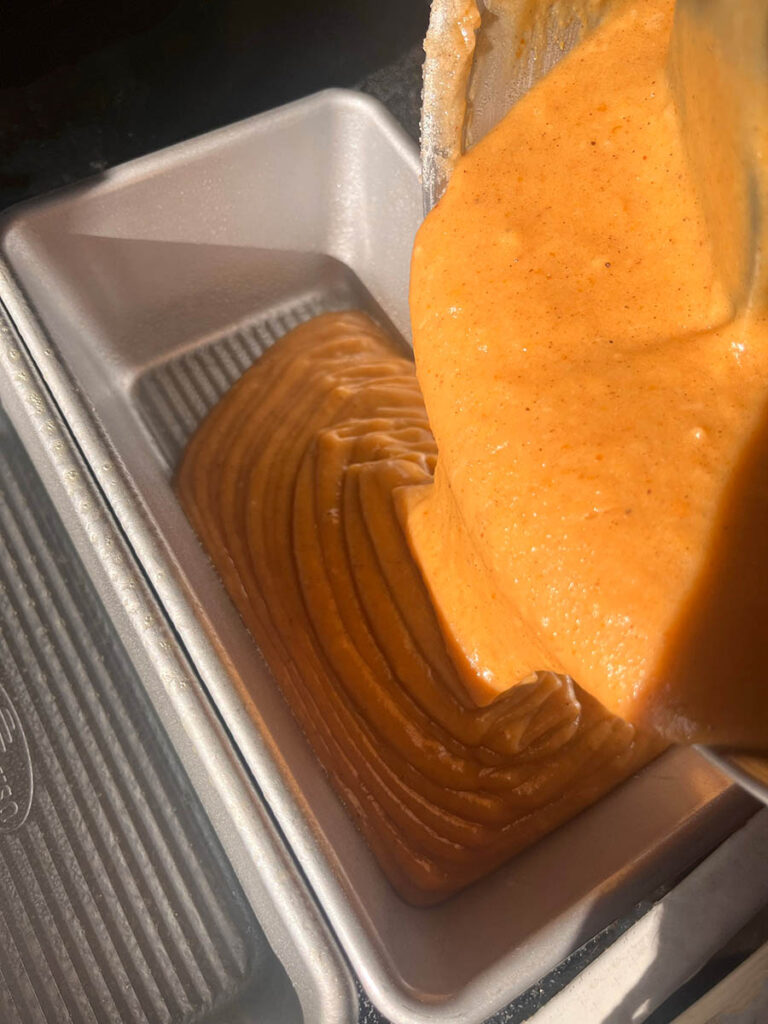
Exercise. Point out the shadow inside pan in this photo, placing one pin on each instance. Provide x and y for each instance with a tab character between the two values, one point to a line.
174	393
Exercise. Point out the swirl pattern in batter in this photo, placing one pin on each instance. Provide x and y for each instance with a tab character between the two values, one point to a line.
298	483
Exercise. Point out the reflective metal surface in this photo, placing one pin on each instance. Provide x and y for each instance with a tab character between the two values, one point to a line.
142	877
749	770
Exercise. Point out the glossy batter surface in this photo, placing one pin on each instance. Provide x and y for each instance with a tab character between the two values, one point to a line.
298	483
601	496
598	508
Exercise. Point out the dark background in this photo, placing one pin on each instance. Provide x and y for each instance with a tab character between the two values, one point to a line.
86	84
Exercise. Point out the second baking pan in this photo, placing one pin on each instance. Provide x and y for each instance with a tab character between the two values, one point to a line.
130	890
142	296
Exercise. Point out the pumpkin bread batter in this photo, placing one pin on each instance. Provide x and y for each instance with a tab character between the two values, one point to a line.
590	392
297	483
601	497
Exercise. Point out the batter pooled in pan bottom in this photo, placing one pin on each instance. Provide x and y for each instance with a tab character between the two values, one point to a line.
298	484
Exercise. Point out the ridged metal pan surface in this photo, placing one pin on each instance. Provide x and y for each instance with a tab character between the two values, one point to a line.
118	902
142	296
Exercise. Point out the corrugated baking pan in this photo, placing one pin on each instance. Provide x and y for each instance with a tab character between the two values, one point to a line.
142	295
119	901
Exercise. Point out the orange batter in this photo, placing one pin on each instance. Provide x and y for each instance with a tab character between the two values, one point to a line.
598	507
601	495
296	483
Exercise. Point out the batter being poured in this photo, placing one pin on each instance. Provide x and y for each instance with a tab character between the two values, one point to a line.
601	498
583	493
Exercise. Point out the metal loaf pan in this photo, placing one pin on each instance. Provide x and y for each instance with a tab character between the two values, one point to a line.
142	295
